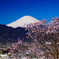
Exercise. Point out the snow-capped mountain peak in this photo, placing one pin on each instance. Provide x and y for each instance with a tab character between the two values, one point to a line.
23	21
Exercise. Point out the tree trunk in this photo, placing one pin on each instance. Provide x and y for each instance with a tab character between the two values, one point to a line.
57	54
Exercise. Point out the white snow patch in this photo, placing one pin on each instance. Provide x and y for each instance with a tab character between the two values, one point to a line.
22	22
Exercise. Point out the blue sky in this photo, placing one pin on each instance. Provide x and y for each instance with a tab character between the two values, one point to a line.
11	10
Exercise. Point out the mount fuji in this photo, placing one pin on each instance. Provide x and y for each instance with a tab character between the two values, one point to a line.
22	22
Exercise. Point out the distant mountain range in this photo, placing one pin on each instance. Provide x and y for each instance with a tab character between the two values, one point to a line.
13	31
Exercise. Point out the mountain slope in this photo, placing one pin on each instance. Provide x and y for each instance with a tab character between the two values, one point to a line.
8	34
22	22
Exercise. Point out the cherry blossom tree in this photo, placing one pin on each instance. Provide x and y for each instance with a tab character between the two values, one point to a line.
14	49
36	49
52	34
47	35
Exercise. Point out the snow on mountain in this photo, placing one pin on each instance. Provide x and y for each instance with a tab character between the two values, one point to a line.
22	22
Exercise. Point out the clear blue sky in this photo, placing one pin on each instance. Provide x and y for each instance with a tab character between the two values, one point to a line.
11	10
